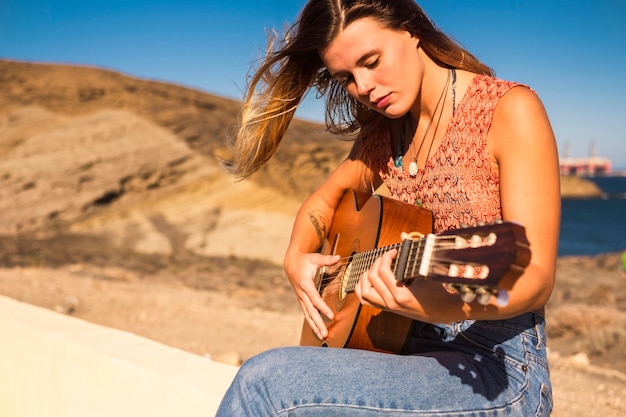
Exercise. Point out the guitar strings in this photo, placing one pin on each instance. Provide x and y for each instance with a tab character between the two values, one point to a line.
356	265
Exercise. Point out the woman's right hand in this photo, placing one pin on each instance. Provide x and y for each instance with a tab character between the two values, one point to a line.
301	269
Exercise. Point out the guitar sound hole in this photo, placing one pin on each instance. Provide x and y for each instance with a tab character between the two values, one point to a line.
347	284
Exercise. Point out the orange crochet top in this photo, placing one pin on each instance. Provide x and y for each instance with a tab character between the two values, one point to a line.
458	184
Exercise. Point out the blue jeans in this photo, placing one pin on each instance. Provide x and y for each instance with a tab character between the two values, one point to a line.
468	368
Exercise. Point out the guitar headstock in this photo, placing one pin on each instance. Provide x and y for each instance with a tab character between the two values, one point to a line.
480	262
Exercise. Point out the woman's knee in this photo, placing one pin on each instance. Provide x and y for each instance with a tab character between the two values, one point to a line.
266	364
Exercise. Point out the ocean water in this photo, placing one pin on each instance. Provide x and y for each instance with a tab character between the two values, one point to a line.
598	225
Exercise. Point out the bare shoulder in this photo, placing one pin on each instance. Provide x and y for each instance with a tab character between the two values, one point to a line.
520	120
518	106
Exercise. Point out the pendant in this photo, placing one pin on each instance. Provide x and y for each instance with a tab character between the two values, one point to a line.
413	169
398	161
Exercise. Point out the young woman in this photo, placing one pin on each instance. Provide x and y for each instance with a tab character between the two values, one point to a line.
436	128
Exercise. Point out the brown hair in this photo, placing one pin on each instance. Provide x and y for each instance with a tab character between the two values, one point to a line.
292	66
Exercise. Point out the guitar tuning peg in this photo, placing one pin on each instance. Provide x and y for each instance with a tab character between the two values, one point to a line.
468	297
484	295
484	298
502	300
467	294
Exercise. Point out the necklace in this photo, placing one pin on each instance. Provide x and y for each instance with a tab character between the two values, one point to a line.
413	167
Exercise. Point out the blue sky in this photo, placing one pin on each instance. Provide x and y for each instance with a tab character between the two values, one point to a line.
572	52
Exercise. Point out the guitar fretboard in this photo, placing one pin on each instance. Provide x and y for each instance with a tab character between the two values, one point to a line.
409	258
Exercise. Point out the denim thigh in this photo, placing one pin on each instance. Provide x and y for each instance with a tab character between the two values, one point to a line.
469	368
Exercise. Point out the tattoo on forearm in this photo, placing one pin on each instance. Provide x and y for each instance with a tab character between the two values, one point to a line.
320	223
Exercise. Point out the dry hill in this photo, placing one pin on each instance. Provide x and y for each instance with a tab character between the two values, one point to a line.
203	121
86	150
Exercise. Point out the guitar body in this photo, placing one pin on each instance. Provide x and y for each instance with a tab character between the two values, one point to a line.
378	223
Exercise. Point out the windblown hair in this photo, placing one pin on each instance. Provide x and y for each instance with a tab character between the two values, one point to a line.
292	66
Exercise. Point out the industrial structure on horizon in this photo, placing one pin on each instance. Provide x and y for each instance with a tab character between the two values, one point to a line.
592	165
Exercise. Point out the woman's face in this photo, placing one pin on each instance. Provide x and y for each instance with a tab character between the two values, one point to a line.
379	67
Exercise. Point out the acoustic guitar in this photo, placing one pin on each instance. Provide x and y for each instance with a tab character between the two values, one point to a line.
478	263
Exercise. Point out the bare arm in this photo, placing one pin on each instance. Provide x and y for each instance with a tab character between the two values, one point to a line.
310	230
529	189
